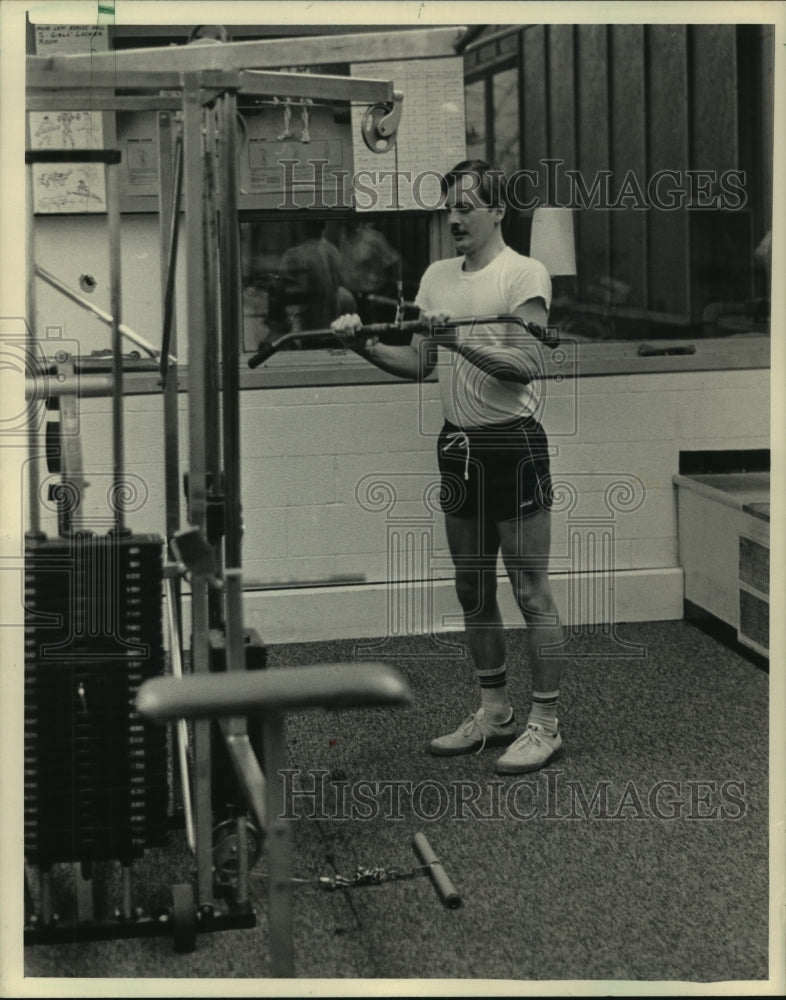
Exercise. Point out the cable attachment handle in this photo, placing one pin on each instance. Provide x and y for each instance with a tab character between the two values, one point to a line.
388	333
439	877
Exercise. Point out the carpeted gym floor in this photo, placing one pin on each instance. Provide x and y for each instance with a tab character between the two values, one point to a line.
641	855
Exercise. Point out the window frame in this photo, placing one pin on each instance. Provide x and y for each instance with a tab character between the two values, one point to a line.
343	368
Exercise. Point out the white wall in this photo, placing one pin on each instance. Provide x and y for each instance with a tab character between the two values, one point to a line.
78	245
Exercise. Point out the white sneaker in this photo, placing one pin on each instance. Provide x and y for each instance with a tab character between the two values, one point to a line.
475	732
531	751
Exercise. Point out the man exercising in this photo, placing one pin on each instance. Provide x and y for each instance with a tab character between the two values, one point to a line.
493	458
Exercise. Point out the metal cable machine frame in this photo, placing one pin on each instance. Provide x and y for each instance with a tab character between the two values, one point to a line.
203	154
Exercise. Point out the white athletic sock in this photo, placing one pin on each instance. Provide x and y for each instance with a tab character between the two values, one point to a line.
544	710
494	694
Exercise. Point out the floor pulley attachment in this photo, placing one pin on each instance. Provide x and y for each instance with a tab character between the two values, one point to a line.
226	848
430	866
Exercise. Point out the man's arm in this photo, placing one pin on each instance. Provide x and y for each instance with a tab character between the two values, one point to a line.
413	362
516	358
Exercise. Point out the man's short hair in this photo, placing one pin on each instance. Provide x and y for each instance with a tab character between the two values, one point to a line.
480	179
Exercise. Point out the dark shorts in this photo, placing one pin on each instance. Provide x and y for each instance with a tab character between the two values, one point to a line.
499	472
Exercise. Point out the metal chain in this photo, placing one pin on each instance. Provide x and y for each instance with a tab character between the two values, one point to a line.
368	876
361	876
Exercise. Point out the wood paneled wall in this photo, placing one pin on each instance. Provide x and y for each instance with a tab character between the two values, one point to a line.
624	102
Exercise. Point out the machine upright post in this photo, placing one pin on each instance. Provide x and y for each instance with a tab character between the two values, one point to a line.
231	319
279	848
168	172
230	397
212	384
118	444
231	328
33	467
193	164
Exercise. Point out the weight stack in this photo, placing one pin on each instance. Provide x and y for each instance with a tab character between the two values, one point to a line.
228	797
96	784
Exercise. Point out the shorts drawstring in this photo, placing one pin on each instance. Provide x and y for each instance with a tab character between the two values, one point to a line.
461	439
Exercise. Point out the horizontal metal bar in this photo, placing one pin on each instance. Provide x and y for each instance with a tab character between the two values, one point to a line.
478	43
45	88
326	685
319	86
69	931
401	333
43	75
391	333
337	580
270	53
99	100
83	386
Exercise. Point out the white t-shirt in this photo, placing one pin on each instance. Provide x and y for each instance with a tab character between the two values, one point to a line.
470	396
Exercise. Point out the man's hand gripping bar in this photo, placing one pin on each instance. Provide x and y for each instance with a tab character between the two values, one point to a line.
388	333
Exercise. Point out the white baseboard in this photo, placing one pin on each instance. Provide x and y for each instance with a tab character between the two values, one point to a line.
312	614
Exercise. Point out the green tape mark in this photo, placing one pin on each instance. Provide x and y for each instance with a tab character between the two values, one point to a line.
106	12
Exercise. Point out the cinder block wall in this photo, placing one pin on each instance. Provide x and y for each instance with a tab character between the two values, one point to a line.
338	488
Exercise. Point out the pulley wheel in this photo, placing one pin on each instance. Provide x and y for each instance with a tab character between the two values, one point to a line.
372	137
225	851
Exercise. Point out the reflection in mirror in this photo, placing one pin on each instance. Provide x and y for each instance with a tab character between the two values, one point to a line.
303	270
